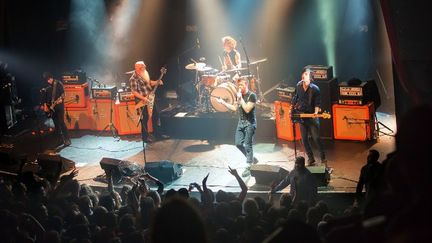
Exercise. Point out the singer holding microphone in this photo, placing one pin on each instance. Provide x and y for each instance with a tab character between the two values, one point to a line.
247	123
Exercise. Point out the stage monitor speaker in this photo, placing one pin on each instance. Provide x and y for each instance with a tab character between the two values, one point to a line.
354	122
120	169
321	174
267	174
127	120
329	95
50	165
166	171
284	126
11	161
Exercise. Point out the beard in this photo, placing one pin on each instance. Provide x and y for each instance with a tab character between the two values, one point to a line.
144	74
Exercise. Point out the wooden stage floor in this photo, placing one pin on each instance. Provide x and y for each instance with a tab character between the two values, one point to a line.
199	157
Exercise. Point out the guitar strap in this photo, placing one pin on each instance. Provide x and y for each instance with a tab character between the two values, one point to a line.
310	95
54	91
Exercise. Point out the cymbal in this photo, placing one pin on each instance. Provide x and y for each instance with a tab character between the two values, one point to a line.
258	61
234	70
205	69
130	72
194	66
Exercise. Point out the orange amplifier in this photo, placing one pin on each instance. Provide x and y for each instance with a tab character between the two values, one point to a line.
127	120
354	122
100	112
78	118
284	126
76	95
125	96
105	92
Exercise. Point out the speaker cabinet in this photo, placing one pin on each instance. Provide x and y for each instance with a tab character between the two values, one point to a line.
50	165
321	175
284	125
126	118
166	171
100	112
78	119
267	174
352	122
119	168
329	95
76	95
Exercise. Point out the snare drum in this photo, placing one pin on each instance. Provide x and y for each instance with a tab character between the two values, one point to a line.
226	91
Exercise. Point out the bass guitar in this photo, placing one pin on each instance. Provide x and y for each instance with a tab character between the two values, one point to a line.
151	96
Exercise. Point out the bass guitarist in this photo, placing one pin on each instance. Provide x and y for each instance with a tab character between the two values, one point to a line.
143	89
53	106
307	100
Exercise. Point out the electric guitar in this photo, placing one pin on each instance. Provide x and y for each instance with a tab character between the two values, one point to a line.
49	109
151	96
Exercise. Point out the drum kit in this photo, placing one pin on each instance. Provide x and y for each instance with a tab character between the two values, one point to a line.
212	84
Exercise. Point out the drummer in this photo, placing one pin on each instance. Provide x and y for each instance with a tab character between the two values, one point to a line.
231	57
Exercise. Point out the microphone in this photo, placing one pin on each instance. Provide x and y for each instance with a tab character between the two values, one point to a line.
96	81
43	90
198	43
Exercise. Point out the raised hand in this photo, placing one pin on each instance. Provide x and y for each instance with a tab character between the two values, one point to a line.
232	171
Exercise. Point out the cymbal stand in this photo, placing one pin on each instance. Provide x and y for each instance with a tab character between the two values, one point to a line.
197	85
260	94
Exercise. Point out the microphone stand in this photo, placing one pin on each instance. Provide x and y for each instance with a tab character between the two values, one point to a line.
247	56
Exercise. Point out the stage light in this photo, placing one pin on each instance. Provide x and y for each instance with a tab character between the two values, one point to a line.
328	14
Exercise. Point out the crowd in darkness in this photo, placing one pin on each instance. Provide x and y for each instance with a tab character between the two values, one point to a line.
393	209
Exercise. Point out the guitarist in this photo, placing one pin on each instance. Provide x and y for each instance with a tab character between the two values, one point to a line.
53	106
141	87
307	100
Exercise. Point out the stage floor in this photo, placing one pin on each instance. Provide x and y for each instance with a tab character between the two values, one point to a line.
202	156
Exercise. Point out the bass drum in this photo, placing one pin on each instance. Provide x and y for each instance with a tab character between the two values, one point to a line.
227	92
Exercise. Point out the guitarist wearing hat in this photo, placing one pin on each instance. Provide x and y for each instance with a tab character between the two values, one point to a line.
306	106
53	106
144	91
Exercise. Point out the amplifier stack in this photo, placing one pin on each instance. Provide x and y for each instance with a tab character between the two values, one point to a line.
357	92
95	113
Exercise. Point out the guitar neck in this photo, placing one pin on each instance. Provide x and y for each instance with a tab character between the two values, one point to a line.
160	77
307	115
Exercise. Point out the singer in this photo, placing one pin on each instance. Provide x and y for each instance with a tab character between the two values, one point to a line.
247	123
53	106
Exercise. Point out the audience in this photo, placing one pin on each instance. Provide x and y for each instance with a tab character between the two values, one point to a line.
395	209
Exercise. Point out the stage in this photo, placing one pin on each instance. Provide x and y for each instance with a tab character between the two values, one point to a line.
200	156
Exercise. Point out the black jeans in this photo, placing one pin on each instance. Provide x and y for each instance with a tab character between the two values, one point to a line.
59	123
311	126
244	138
155	122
